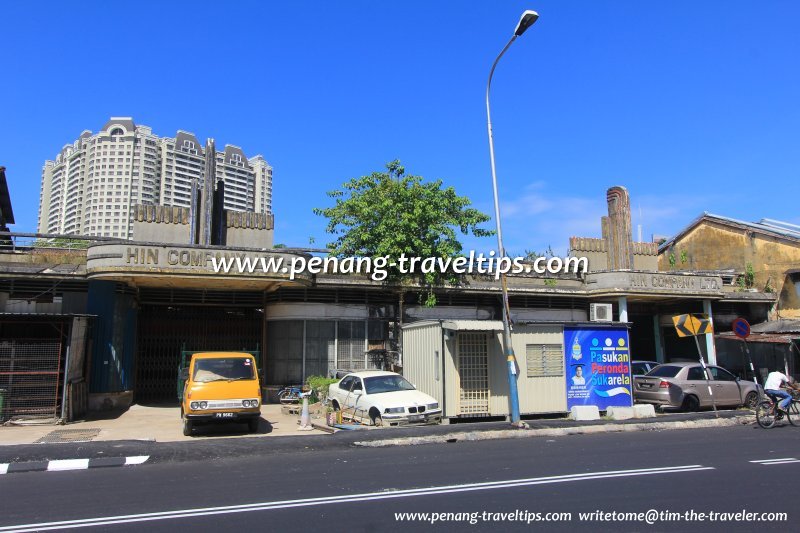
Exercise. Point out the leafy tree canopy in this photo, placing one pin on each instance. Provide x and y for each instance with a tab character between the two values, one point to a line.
392	213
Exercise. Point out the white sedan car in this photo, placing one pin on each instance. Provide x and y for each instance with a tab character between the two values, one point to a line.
383	398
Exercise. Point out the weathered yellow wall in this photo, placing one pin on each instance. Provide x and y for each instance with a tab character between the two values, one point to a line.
712	246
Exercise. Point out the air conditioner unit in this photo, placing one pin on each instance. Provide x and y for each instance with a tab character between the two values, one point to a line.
601	312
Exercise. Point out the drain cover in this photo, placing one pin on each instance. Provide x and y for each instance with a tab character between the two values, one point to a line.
69	435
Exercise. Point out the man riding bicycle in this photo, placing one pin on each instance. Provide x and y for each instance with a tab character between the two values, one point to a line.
772	387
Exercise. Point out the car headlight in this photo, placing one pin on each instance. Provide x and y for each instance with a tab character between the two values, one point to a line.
434	405
254	402
194	405
395	410
245	403
203	405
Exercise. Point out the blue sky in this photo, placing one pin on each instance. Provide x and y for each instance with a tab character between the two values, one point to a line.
693	106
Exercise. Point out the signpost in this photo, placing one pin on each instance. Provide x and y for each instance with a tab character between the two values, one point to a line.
691	326
741	328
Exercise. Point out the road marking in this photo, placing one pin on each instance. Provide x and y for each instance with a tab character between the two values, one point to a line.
782	461
60	465
369	496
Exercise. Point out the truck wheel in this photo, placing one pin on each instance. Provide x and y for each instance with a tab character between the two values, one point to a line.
187	427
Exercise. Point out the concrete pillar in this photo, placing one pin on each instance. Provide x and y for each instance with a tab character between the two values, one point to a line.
659	340
623	309
711	349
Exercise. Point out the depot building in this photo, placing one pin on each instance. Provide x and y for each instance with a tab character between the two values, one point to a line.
123	311
146	302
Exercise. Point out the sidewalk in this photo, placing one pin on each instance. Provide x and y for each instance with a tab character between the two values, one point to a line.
163	425
145	423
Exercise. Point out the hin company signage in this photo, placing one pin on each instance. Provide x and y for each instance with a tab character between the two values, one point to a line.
127	260
655	282
135	255
667	281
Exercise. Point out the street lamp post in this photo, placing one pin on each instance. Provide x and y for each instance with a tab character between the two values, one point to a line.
525	22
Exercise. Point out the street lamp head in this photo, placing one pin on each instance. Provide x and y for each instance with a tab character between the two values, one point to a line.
526	21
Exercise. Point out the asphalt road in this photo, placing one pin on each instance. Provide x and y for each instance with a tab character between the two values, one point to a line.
361	489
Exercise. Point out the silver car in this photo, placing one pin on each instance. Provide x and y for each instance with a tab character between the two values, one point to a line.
640	368
683	385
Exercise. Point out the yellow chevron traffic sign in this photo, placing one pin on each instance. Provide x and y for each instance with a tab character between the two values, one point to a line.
691	325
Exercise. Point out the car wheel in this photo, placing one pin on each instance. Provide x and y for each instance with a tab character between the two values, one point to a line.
751	400
690	403
187	427
252	425
375	416
336	406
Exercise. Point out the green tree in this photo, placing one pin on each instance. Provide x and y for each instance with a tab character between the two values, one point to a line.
392	213
531	255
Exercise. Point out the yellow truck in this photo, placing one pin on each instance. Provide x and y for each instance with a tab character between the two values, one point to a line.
220	387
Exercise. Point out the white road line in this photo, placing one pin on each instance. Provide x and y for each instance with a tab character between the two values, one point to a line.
3	468
765	461
67	464
370	496
136	459
781	462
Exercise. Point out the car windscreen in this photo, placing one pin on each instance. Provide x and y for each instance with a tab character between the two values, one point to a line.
223	369
665	371
379	384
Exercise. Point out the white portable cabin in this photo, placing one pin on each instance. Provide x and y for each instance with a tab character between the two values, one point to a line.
461	364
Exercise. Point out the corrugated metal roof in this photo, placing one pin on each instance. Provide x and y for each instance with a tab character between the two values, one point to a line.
421	323
473	325
772	338
769	226
782	326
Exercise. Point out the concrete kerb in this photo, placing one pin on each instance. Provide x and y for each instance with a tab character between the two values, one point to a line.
556	432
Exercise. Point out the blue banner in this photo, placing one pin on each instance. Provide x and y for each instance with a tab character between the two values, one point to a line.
598	369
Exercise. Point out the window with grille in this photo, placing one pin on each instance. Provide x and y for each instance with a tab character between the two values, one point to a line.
320	341
351	345
544	360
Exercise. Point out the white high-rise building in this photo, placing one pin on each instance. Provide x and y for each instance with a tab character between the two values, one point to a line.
93	183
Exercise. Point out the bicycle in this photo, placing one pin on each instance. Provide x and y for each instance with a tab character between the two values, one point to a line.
290	394
767	413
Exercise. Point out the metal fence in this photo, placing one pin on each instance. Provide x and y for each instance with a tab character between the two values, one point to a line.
31	375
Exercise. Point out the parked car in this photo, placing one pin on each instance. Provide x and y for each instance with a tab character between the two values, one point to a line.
383	398
683	385
220	387
640	368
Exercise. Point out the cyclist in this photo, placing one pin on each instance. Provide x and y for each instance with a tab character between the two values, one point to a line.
773	385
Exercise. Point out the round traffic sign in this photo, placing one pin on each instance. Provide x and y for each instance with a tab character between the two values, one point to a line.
741	328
